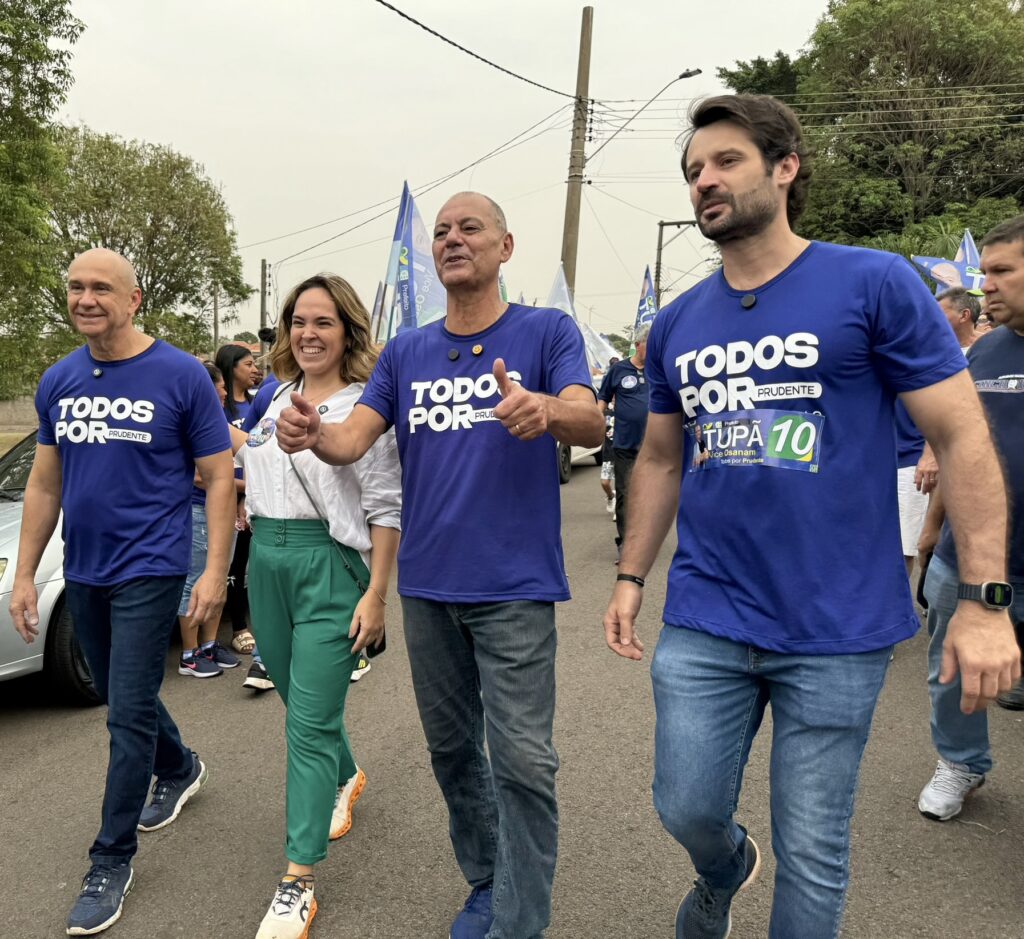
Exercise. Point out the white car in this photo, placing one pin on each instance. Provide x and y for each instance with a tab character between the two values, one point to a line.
55	651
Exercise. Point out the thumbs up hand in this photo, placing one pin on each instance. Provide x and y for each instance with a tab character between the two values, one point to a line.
298	427
523	413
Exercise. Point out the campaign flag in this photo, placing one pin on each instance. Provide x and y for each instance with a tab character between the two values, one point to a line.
522	299
599	351
420	297
962	271
559	297
648	307
502	289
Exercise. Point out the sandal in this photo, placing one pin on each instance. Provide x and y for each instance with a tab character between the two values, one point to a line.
243	642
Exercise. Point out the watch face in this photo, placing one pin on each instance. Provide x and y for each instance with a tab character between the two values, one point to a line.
1000	595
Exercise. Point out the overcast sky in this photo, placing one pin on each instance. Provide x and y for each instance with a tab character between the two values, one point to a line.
311	110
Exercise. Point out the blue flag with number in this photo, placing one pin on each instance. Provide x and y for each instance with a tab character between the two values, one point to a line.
648	307
420	297
962	271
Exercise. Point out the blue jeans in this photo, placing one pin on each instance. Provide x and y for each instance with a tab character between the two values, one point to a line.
124	631
488	670
959	738
710	695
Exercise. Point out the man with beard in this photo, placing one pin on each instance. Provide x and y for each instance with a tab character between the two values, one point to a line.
787	586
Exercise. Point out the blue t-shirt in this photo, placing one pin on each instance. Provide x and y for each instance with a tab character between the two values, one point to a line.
242	411
909	440
481	518
788	524
127	441
996	362
628	386
264	395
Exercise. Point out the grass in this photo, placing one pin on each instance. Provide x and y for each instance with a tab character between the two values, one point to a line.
7	441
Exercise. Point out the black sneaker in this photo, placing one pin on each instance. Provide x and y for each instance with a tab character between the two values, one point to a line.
362	667
220	656
1013	700
257	678
170	797
705	910
99	904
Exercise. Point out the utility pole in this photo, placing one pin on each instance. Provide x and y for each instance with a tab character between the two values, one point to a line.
661	243
263	303
216	318
571	228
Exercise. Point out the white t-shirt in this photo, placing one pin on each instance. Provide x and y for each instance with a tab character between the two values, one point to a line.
369	492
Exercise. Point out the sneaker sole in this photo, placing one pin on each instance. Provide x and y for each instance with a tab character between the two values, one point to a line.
751	877
182	799
356	793
359	672
192	673
933	816
258	684
82	931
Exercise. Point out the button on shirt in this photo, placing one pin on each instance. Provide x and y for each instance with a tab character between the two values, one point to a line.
626	384
368	492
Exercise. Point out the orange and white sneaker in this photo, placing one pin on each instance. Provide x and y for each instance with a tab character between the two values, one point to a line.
291	911
348	795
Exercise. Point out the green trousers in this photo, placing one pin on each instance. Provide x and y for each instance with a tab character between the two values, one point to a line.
302	600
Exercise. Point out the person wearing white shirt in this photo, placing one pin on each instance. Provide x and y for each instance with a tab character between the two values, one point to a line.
324	543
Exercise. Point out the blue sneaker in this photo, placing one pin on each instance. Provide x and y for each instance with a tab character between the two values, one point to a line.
169	797
197	665
99	904
220	656
475	919
705	910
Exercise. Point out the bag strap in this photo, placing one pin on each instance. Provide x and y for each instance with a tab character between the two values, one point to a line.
323	521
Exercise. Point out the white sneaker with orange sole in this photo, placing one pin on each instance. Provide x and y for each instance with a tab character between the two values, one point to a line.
348	795
291	911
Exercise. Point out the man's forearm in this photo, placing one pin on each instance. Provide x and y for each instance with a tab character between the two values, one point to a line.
577	423
40	512
339	445
977	513
220	523
653	500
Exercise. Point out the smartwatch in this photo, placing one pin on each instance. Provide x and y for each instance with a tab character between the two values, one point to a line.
994	594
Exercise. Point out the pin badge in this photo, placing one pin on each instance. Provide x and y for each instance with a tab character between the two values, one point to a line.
477	349
453	354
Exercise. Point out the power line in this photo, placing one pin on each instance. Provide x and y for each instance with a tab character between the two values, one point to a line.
509	144
603	232
451	42
657	215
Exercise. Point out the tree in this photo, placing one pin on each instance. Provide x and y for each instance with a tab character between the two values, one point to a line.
246	337
778	76
620	343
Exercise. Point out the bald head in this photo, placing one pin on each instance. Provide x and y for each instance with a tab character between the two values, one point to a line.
116	266
497	214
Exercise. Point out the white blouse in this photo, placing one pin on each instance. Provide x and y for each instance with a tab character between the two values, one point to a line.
369	492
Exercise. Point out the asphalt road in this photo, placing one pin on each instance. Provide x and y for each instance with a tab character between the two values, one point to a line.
211	874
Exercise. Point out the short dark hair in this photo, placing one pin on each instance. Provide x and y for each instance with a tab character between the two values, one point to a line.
774	129
962	299
1005	232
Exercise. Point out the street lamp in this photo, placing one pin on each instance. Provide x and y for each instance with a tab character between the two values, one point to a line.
689	73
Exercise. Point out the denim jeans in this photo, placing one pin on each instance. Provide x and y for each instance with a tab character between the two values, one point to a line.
487	671
959	738
710	695
124	631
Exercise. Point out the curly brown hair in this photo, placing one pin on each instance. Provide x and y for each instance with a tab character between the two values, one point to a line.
360	355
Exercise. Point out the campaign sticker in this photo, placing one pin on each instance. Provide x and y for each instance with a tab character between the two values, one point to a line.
629	382
261	433
761	437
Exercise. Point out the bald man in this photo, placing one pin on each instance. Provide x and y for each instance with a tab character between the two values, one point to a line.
477	402
117	452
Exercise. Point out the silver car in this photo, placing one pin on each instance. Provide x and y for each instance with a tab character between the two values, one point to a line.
55	652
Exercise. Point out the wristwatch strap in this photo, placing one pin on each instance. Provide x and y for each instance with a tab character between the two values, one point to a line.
632	578
969	592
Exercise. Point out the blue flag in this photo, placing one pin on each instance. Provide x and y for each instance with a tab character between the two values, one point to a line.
648	307
962	271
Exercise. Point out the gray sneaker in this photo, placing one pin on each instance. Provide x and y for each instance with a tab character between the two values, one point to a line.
705	910
99	904
170	797
943	797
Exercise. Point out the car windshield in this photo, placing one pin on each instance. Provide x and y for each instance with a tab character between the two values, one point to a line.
15	465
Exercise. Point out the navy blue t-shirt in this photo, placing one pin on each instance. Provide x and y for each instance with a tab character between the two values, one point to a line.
481	518
628	386
127	442
909	440
996	363
788	525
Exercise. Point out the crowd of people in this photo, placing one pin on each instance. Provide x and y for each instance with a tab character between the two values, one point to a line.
761	412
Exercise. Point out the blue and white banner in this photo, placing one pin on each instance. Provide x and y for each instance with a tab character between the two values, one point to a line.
962	271
648	307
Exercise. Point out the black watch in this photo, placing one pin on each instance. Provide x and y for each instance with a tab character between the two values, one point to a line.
994	594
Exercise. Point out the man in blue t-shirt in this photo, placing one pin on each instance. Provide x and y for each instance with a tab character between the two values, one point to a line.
478	401
117	452
787	586
625	388
996	364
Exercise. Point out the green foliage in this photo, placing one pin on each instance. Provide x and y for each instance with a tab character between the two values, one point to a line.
246	337
621	344
913	110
